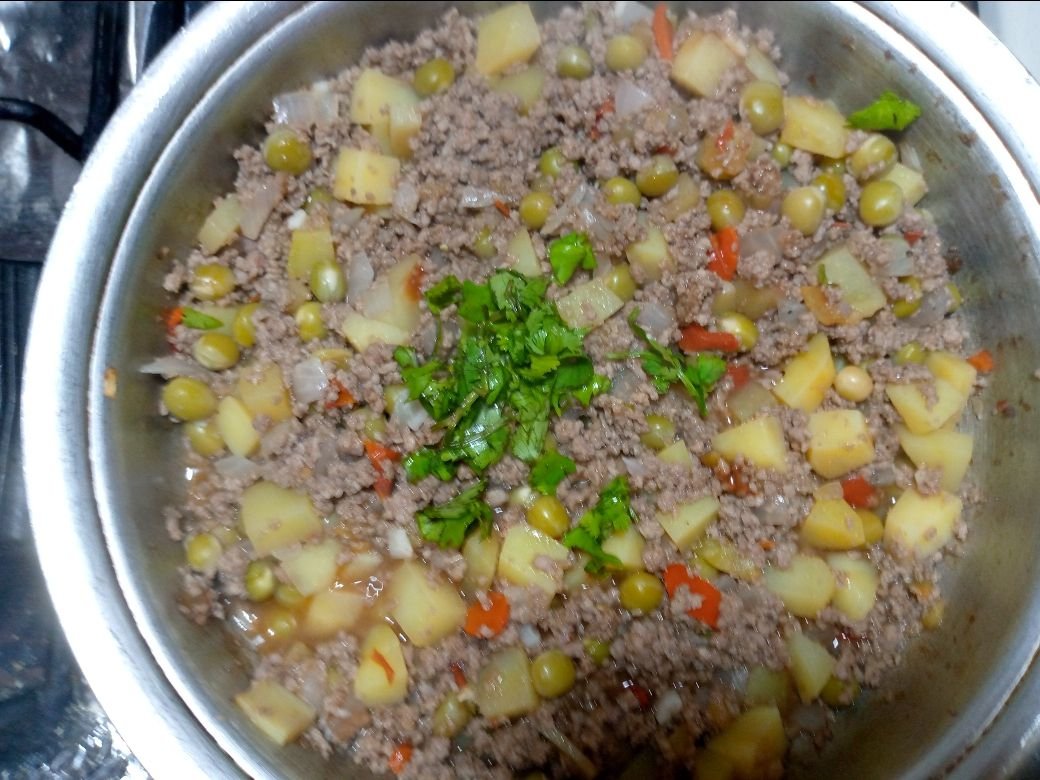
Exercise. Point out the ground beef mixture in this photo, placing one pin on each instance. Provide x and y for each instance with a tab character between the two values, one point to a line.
708	509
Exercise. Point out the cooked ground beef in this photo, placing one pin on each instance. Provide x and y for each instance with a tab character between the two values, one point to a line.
337	430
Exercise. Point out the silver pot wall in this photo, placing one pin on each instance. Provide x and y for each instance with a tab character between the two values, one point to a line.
99	469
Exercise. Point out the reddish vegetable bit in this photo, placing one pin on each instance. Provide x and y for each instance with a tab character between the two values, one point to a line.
739	374
413	285
458	675
677	575
697	339
859	493
377	454
503	209
173	318
982	361
666	149
913	236
725	252
400	757
606	107
380	659
343	397
662	27
643	696
723	139
486	623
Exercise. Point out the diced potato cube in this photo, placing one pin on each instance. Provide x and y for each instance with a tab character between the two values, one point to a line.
382	675
279	714
709	765
531	558
522	257
221	226
362	332
760	441
525	85
650	258
506	37
754	742
857	584
805	587
481	556
262	390
701	61
858	288
332	611
375	94
833	525
723	556
769	686
380	131
361	566
748	402
677	454
921	525
627	546
274	517
405	124
686	524
235	424
504	686
808	376
365	178
873	528
426	611
839	441
948	451
761	66
810	664
589	305
955	370
815	126
921	414
312	568
307	248
394	297
911	182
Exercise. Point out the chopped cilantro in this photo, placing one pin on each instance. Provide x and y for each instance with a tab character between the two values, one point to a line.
426	462
447	523
193	318
443	294
568	253
888	112
549	471
611	514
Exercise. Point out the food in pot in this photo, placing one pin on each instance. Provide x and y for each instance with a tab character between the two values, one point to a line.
560	393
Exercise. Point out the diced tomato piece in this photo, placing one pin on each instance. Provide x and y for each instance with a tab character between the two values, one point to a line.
725	253
413	285
343	397
858	493
697	339
503	209
739	373
400	758
458	674
913	236
982	361
643	696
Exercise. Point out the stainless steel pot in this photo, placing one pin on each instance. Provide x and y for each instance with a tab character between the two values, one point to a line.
100	468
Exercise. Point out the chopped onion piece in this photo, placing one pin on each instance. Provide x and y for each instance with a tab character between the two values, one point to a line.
258	205
908	156
667	707
360	276
658	320
406	201
307	107
411	414
477	198
934	306
570	750
762	240
630	99
169	366
344	217
398	544
636	467
898	253
296	220
628	12
624	384
236	467
530	637
309	381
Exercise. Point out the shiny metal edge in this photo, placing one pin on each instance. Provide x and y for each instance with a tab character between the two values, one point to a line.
105	640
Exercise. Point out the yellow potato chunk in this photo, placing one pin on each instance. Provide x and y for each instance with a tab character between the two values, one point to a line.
506	37
687	523
701	62
839	441
382	676
426	610
627	546
754	743
769	686
760	441
279	714
953	369
393	297
332	611
365	178
922	414
235	424
481	556
221	226
522	257
307	248
362	332
911	182
948	451
651	256
526	86
405	124
805	587
374	96
677	454
262	390
761	67
873	528
815	126
504	686
810	664
833	525
312	568
723	556
858	289
857	584
807	376
274	517
531	558
921	525
589	305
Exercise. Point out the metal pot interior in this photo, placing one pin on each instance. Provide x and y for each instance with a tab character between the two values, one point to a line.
955	680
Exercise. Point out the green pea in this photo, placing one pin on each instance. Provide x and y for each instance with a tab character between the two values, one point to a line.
549	515
621	190
309	322
535	208
202	552
597	650
740	326
484	244
328	282
287	596
625	52
658	176
243	331
188	399
210	281
204	437
552	674
911	352
873	157
660	432
317	196
881	203
451	716
833	188
641	592
762	106
725	208
907	306
433	76
620	282
216	351
781	154
804	208
573	62
260	580
552	162
285	150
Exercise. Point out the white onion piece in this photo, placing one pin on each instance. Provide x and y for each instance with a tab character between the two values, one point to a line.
762	240
275	438
398	545
258	205
477	198
412	414
908	155
360	276
296	220
306	107
628	12
790	312
529	636
406	201
667	707
658	320
933	308
379	299
169	366
309	381
236	467
899	262
624	384
345	217
636	467
774	511
630	99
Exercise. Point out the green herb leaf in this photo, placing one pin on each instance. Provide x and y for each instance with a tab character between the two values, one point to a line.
426	462
443	294
611	514
549	471
447	524
888	112
699	376
193	318
568	253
